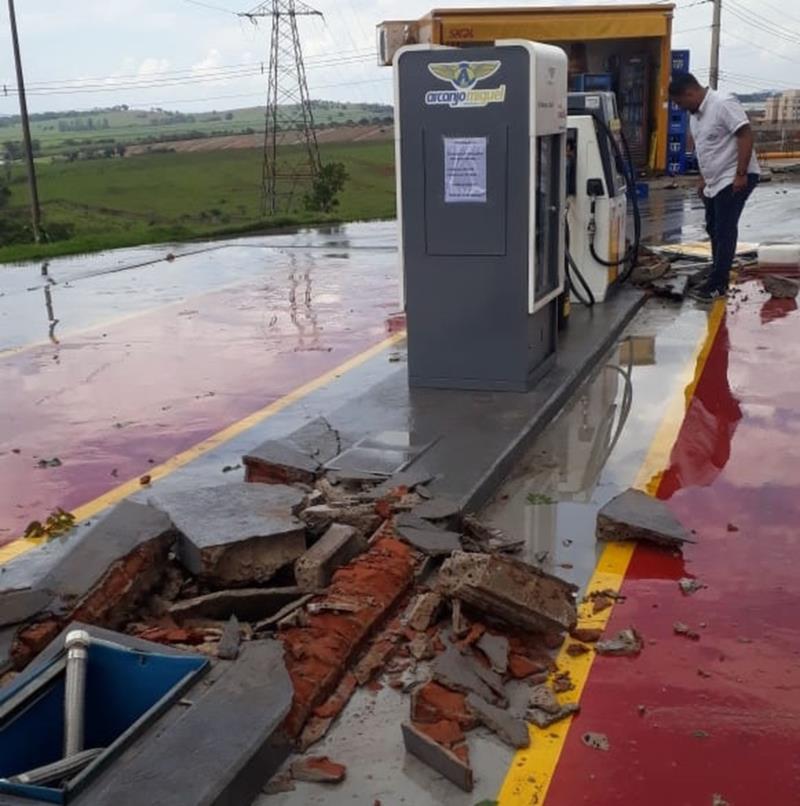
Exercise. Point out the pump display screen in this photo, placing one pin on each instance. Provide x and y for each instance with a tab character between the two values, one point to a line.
464	169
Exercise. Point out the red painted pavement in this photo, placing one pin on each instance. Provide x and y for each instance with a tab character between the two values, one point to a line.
722	714
111	402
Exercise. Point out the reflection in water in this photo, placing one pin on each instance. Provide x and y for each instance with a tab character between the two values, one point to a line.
703	447
302	314
51	317
775	308
551	493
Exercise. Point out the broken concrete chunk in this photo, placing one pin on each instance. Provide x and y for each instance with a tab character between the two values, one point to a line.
411	478
543	698
510	590
236	534
436	509
597	741
424	611
511	730
543	719
679	628
462	673
625	642
412	521
495	647
421	647
313	571
279	461
228	647
435	542
278	784
689	585
275	619
318	770
634	515
247	604
439	758
480	537
588	635
780	287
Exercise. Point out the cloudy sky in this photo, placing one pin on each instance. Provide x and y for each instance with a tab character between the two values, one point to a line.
197	54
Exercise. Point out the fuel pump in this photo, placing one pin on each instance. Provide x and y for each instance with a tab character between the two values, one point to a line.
599	182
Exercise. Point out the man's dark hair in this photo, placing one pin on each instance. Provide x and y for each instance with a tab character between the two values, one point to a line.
681	83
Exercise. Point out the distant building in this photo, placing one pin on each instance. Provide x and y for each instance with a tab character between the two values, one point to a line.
783	108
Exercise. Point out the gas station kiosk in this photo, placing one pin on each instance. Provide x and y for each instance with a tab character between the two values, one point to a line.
480	138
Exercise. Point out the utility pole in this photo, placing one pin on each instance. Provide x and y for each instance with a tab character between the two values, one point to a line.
291	152
713	73
26	128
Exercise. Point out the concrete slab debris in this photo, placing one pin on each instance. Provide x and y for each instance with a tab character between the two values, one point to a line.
544	698
236	534
486	539
436	509
247	604
495	647
228	647
410	478
511	730
318	770
441	759
510	590
780	287
672	287
434	542
339	545
362	517
424	610
412	521
634	515
625	643
543	719
462	673
279	461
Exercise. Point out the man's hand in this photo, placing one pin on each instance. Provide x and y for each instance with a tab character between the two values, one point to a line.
700	188
739	183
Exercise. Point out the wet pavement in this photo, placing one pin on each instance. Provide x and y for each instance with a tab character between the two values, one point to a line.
112	363
150	356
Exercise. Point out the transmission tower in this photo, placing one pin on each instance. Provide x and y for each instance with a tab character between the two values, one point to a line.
291	152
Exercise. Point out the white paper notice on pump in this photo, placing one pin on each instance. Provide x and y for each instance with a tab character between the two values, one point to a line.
464	169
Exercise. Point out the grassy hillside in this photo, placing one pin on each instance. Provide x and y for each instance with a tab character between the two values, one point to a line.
177	196
63	133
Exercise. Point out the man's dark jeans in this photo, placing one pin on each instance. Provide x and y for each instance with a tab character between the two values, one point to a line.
722	223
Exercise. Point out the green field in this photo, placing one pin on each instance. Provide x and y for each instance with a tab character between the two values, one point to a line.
179	196
70	132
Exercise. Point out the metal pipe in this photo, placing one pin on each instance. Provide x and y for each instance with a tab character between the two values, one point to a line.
77	645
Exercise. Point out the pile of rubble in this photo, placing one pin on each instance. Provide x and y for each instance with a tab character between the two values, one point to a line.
356	573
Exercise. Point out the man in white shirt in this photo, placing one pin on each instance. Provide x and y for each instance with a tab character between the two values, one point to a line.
728	168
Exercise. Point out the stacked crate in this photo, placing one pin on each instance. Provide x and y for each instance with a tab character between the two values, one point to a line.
678	157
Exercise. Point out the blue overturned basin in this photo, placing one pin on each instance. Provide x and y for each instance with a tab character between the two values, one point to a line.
126	689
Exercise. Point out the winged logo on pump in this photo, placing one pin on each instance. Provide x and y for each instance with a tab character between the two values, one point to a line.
464	75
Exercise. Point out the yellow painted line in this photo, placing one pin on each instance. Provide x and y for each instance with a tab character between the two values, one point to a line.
90	509
532	770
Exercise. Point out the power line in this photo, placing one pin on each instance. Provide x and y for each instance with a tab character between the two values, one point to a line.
342	57
147	83
210	6
751	43
761	24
